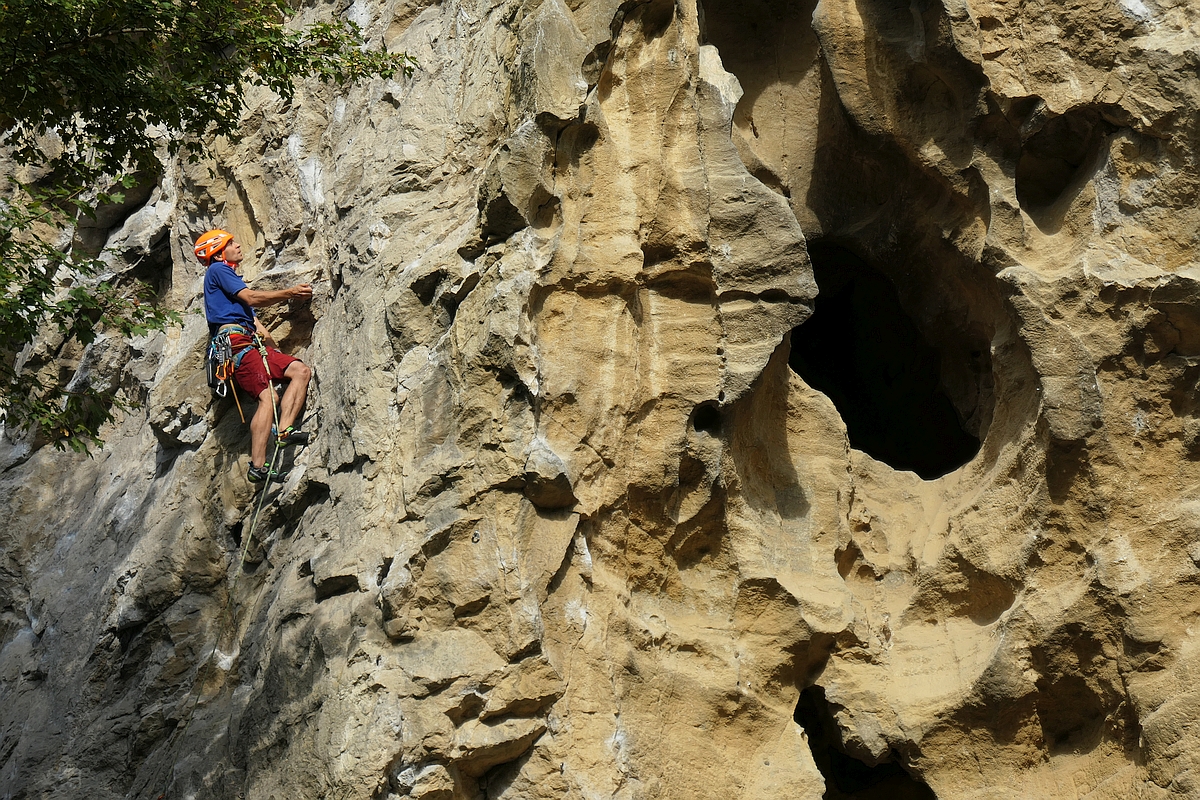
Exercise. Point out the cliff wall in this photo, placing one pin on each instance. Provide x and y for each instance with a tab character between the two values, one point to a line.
763	399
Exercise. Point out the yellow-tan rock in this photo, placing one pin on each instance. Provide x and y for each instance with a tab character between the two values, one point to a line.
580	520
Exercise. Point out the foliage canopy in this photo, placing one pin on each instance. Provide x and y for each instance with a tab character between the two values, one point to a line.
91	92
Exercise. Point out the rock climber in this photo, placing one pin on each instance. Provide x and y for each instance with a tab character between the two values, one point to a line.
229	307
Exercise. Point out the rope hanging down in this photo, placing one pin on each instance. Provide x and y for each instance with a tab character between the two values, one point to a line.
260	504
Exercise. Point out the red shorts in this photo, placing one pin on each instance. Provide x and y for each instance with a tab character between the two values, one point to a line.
252	377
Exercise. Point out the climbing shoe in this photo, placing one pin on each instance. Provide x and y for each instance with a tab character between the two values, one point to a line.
291	436
263	473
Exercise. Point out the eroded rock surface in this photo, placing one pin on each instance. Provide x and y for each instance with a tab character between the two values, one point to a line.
577	521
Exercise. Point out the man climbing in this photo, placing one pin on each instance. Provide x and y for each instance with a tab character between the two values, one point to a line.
229	307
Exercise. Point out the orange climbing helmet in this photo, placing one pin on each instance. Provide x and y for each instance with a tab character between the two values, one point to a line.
212	243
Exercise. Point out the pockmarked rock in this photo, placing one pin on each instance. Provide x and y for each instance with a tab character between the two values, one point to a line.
712	399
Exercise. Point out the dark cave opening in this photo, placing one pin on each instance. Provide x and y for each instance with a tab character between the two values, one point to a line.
846	777
707	418
863	351
1057	156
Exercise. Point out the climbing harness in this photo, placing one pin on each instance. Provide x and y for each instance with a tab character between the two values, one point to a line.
223	362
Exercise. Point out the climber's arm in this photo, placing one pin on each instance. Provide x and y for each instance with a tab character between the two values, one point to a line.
256	298
264	334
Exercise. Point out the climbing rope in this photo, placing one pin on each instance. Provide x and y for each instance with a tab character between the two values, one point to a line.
241	563
270	464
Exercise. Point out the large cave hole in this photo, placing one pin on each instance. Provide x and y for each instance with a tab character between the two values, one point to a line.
846	777
866	354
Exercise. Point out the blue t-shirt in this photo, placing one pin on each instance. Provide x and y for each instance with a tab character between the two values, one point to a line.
222	306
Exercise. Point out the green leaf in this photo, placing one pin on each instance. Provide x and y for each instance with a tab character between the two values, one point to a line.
101	75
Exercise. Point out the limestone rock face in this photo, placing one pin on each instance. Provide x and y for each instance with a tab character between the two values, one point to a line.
713	399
